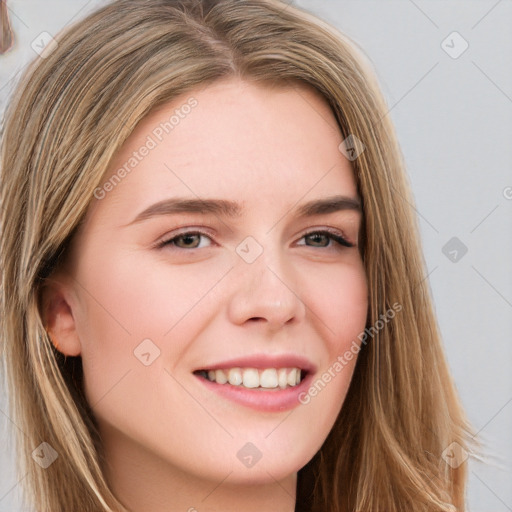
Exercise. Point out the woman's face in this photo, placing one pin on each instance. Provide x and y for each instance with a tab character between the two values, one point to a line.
164	294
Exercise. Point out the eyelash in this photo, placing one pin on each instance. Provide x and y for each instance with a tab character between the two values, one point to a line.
340	240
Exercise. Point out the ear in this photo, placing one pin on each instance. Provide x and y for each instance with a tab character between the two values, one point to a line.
58	319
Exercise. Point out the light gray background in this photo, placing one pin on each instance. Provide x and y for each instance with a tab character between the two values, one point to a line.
454	122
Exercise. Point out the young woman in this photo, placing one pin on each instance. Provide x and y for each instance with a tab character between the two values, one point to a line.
213	292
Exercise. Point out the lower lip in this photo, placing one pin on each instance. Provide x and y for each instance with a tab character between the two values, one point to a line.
265	400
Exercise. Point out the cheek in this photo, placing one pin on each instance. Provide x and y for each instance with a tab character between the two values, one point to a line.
138	313
340	300
341	304
140	297
129	300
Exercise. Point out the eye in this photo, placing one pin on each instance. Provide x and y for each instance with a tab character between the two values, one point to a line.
192	240
325	235
187	240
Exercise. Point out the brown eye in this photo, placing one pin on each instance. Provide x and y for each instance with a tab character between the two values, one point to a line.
188	240
318	237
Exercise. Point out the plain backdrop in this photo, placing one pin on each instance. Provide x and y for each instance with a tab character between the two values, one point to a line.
450	97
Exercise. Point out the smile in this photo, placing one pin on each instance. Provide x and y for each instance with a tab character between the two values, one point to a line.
253	378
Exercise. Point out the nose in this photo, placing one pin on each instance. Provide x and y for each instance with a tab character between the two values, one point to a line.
266	293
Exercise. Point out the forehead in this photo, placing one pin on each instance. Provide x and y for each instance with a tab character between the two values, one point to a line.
257	144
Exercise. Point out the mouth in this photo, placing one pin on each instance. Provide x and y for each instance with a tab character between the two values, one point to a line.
255	378
262	382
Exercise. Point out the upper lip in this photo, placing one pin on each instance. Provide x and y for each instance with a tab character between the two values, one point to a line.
261	361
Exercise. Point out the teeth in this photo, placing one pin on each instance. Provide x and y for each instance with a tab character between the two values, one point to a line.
219	376
268	378
251	379
292	377
282	378
235	376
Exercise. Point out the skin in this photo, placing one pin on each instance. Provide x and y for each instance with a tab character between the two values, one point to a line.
171	444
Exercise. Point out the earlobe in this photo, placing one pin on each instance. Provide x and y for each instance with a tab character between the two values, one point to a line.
55	343
58	318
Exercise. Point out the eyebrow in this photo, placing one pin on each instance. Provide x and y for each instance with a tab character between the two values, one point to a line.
233	209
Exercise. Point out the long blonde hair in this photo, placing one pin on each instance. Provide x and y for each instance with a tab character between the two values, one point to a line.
74	109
